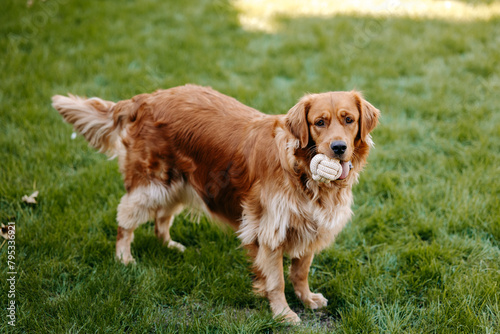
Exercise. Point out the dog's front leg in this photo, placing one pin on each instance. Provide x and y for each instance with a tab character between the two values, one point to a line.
299	272
271	282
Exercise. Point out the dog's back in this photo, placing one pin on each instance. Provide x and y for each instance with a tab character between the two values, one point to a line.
184	135
196	133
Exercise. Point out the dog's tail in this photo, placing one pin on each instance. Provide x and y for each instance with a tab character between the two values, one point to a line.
93	118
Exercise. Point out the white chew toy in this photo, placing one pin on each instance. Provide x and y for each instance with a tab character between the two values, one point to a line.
324	169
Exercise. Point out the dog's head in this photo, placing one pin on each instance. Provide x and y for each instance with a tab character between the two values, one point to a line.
336	124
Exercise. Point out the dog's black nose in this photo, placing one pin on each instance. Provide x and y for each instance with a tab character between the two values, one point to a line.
338	147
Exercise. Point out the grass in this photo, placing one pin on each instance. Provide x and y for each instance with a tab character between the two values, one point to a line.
421	254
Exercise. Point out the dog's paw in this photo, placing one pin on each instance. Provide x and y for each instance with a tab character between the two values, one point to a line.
175	245
288	316
315	301
292	318
126	259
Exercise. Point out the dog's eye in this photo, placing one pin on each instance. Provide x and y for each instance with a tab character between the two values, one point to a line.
348	120
320	123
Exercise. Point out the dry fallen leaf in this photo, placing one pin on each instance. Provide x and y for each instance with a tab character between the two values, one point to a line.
3	232
31	198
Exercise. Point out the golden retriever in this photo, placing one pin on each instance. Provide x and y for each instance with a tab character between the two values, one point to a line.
193	146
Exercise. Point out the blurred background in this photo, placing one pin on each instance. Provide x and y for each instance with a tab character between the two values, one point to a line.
421	253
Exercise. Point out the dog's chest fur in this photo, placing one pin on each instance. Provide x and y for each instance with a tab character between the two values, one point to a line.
297	223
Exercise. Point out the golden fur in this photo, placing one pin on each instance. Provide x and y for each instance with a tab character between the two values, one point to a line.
193	146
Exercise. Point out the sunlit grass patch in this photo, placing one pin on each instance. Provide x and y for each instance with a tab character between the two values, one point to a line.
262	15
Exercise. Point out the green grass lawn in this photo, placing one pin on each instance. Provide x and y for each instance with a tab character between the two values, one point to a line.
422	253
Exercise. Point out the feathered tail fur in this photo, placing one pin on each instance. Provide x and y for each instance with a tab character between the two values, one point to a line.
93	118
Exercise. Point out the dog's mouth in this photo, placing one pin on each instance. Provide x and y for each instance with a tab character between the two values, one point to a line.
346	168
331	172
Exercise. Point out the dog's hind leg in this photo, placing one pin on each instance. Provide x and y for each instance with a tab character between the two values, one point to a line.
124	238
163	222
136	207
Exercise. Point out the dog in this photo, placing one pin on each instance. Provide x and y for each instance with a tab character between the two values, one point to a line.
193	146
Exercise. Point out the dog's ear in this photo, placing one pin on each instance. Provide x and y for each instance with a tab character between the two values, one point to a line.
368	116
296	120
